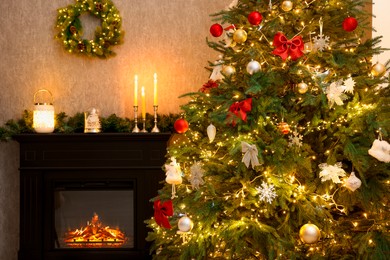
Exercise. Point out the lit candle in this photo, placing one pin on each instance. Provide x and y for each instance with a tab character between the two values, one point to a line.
135	90
155	90
143	108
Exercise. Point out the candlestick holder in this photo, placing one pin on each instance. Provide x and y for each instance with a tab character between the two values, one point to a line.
136	129
155	128
144	126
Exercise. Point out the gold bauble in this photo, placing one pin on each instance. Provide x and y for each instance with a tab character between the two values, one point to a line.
378	70
287	6
228	70
240	36
309	233
302	88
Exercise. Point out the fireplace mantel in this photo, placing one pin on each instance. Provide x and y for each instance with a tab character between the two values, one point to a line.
100	158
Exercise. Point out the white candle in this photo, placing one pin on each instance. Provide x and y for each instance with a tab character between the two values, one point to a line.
155	90
135	90
143	108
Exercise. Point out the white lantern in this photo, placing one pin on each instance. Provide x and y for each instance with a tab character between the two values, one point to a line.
43	114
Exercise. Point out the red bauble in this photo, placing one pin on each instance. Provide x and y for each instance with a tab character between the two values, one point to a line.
181	125
350	24
216	30
255	18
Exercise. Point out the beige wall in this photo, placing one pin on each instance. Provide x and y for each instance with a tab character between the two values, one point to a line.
162	36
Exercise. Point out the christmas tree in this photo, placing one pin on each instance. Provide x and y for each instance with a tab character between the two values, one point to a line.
286	155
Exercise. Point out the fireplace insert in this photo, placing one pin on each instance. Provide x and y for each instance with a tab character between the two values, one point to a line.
87	196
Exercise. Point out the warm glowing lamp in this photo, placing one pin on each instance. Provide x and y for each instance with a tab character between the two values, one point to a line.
43	116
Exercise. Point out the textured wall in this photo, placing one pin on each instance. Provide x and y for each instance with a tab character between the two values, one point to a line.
162	36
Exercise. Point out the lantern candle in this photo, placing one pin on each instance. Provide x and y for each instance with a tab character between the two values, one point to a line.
143	108
43	114
155	90
135	90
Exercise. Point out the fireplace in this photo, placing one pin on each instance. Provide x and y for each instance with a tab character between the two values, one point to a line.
86	196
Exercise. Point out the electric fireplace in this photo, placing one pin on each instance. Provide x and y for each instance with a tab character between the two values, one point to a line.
86	196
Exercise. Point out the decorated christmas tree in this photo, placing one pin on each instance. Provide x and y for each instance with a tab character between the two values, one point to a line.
283	153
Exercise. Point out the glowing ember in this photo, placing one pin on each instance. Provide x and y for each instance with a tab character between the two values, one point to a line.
95	234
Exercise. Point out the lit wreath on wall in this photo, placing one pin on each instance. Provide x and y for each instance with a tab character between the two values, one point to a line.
107	35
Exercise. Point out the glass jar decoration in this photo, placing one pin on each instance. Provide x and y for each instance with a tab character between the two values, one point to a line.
92	121
43	114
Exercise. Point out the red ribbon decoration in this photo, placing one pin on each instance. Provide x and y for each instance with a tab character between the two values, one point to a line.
162	211
240	109
284	47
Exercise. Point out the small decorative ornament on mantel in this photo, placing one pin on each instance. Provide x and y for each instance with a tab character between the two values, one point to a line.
43	115
92	121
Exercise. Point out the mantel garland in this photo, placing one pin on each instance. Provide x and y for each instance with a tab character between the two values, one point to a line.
107	35
75	124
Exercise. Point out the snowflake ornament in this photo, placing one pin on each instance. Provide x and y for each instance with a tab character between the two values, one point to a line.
349	85
335	93
266	192
331	172
196	175
295	139
321	42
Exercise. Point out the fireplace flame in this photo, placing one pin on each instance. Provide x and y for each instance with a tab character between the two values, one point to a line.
95	234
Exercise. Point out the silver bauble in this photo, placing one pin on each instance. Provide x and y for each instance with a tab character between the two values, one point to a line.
309	233
253	67
378	69
185	224
228	70
211	131
302	88
353	183
287	6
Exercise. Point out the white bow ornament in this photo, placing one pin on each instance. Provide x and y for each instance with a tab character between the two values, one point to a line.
380	150
250	154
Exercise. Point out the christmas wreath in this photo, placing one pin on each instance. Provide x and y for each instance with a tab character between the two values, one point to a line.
107	35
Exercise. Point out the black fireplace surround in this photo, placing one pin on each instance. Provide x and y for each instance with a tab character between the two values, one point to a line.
53	164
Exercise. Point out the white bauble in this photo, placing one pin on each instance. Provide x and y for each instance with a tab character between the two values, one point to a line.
353	183
253	67
309	233
185	224
211	132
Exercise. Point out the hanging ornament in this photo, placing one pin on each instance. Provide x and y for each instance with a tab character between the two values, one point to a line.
308	47
255	18
321	41
331	172
349	85
285	48
295	140
210	84
335	93
216	30
211	132
378	70
185	224
353	183
287	6
270	5
228	70
196	175
250	154
181	125
302	88
380	150
309	233
173	173
217	68
253	67
284	128
350	24
240	36
239	110
266	192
